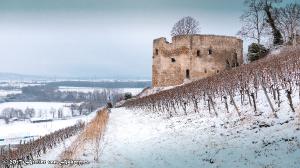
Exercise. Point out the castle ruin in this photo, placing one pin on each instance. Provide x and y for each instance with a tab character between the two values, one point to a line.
192	57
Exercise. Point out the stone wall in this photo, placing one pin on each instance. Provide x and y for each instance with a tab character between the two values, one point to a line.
192	57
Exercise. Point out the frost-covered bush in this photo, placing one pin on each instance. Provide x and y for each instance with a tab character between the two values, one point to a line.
256	52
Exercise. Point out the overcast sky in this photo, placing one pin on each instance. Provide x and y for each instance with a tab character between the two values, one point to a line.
99	38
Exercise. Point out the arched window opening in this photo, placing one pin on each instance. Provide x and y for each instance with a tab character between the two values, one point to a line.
156	51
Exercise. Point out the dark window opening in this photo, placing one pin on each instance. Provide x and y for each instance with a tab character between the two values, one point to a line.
156	51
173	59
209	51
198	53
187	74
205	70
218	71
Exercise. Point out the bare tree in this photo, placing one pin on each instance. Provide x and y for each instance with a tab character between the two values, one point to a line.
185	26
261	15
271	20
289	21
60	113
254	24
52	112
29	112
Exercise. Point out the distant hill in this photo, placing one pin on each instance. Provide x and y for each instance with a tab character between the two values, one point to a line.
15	76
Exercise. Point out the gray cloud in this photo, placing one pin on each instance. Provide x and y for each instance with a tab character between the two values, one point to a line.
101	38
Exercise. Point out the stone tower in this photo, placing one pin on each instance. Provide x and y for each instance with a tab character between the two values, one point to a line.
192	57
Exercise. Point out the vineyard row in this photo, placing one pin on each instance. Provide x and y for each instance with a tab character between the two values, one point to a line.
25	153
271	75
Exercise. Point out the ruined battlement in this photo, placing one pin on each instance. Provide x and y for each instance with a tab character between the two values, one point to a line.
192	57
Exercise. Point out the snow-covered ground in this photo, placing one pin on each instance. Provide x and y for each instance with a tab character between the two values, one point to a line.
53	154
25	130
42	109
133	91
136	138
34	105
133	139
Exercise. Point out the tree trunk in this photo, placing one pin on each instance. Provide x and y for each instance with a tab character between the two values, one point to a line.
295	38
278	40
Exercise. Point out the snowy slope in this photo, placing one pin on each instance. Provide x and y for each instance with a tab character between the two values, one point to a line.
136	138
139	139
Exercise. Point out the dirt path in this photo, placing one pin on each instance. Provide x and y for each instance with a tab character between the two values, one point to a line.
89	138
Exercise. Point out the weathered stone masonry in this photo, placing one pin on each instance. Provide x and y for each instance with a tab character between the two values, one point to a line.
191	57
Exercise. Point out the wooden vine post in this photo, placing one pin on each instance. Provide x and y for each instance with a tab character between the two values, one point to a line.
234	104
269	101
289	96
226	104
213	106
